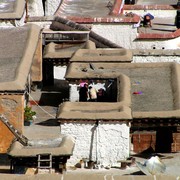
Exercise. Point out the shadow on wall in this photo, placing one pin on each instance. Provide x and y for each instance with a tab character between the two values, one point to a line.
49	122
53	95
94	133
4	161
50	99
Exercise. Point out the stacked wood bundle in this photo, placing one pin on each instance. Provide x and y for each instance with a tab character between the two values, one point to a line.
175	146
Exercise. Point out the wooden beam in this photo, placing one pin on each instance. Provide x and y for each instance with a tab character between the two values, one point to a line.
40	18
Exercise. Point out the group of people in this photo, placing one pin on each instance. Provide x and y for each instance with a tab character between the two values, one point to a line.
89	93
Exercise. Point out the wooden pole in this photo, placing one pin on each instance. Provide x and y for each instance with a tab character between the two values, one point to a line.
26	7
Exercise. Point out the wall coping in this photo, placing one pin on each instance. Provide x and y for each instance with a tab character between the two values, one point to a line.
155	52
171	35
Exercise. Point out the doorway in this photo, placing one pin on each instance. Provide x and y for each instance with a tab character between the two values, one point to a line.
164	139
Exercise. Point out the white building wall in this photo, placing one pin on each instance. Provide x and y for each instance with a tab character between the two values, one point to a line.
125	36
157	44
173	43
74	93
13	23
59	72
107	143
6	24
152	59
21	22
35	8
120	34
51	6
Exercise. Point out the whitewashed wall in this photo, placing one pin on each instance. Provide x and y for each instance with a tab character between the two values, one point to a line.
74	93
59	72
21	22
107	143
120	34
6	24
51	6
152	59
13	23
157	44
125	36
35	8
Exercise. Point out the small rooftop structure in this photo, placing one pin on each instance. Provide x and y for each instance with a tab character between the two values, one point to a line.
100	111
147	96
155	81
60	148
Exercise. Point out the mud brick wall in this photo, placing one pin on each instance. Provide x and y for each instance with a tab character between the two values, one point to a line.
12	107
143	140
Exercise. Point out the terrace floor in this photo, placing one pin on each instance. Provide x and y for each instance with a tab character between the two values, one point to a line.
160	26
154	85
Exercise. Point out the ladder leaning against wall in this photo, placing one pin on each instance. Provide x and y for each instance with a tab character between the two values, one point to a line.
22	139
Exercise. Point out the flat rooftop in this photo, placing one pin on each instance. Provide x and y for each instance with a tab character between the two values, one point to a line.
13	9
84	8
101	8
17	48
154	87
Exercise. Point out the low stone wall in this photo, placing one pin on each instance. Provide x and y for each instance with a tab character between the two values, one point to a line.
105	143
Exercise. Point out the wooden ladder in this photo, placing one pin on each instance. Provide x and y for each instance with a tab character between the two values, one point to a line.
45	162
22	139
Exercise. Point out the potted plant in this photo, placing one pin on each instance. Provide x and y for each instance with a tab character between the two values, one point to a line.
29	115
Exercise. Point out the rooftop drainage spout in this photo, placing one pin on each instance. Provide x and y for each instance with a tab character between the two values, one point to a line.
60	23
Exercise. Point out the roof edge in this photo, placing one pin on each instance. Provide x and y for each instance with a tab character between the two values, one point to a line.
157	114
21	75
170	35
27	59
